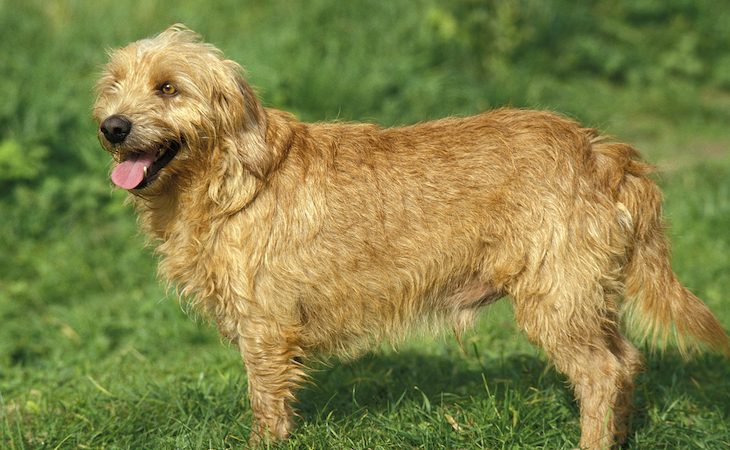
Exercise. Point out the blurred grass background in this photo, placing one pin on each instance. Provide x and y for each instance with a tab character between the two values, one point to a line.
93	354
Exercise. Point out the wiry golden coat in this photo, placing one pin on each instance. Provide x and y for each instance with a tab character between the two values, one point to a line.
298	238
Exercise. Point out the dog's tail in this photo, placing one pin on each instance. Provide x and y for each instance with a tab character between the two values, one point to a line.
656	301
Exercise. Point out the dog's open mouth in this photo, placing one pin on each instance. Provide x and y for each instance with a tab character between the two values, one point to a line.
139	169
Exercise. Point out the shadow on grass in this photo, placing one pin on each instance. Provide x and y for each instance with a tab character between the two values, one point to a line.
380	383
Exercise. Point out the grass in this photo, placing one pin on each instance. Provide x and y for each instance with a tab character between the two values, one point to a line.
94	354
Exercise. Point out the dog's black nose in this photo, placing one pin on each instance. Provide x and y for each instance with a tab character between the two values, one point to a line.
116	128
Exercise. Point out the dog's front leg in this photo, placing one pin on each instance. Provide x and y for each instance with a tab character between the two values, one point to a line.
272	357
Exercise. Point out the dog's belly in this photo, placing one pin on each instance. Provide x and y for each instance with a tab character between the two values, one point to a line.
354	320
474	293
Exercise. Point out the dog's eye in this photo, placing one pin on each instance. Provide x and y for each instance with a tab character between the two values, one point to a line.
168	89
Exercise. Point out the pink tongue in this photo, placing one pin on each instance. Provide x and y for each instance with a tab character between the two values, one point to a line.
129	173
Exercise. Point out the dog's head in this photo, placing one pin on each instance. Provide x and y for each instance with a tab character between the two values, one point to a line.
171	106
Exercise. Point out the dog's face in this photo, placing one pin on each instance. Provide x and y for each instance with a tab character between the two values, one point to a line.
168	102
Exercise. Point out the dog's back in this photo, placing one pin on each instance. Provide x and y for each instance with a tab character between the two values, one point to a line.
431	221
416	224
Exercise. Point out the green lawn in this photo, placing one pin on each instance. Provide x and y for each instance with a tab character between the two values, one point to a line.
95	354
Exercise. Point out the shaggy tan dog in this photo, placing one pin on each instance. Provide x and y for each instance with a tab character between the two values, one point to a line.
299	238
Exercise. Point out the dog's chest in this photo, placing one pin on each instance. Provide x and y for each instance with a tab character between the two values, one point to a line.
212	262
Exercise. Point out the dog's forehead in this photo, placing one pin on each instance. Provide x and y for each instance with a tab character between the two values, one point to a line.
137	57
144	46
144	50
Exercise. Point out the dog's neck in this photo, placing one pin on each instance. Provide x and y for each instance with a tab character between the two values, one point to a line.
227	183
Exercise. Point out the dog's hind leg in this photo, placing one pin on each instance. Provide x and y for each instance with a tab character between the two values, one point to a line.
272	358
580	334
630	361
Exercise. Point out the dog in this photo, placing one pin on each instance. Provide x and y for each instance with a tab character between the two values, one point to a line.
327	238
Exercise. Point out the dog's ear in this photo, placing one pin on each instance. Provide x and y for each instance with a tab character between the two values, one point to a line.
243	121
242	160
